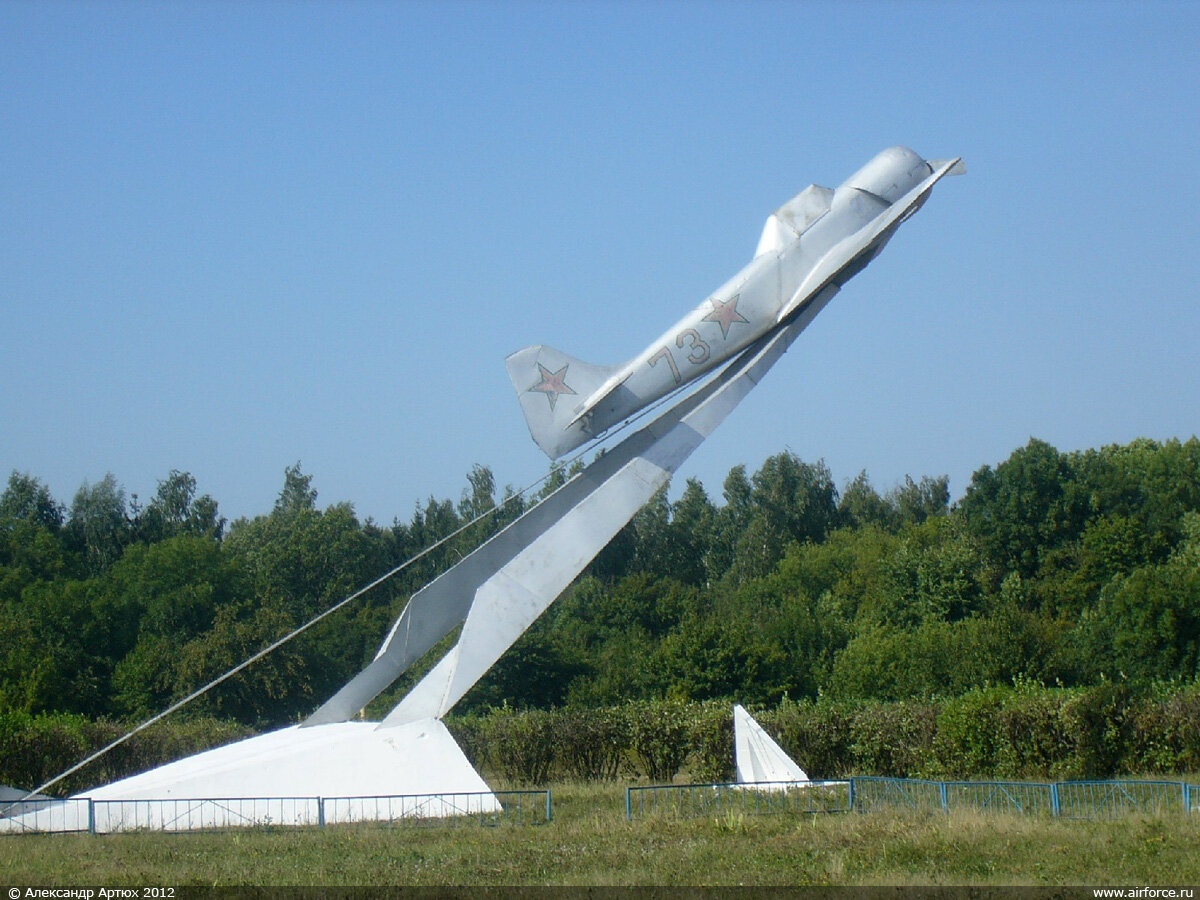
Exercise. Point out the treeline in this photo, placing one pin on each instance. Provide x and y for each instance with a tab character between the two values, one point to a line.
1067	569
111	608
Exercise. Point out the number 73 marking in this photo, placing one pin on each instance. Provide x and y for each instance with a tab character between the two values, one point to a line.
698	352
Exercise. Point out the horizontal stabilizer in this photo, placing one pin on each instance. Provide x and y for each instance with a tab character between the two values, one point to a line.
552	387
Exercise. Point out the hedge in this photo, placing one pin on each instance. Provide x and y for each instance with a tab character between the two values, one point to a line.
1023	731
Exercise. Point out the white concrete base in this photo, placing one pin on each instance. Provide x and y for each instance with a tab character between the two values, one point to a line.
342	772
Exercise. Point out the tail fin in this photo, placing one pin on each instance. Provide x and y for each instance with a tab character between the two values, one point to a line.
552	387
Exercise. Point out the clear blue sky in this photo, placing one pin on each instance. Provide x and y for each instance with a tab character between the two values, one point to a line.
233	236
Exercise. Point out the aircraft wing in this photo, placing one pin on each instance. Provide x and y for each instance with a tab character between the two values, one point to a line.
860	242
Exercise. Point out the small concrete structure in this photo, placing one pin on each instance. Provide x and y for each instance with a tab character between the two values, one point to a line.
759	759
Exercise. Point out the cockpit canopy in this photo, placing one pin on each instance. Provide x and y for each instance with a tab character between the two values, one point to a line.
890	175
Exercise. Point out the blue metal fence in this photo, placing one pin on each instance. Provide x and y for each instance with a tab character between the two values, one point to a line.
998	796
909	793
1067	799
1087	799
202	814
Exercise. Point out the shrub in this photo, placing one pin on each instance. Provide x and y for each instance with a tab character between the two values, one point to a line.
1164	734
711	741
521	745
894	739
591	742
1019	732
1036	740
658	737
1101	719
817	735
470	733
970	734
34	749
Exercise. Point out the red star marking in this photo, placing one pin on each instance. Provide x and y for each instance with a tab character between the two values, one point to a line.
552	383
725	314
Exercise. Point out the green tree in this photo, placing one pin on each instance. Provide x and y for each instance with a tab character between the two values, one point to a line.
729	521
1147	624
536	671
26	499
651	524
479	497
690	535
31	546
861	505
1024	508
297	562
791	501
169	593
933	575
917	501
175	509
56	653
297	494
710	657
99	523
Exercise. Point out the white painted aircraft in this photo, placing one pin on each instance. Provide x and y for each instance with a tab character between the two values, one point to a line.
810	247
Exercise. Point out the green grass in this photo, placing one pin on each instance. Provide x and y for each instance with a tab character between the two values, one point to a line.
591	843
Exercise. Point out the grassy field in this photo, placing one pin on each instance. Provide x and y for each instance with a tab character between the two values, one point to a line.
591	843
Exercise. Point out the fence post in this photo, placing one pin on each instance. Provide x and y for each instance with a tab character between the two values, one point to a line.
942	791
1187	797
628	804
1054	802
851	791
321	812
548	807
91	816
